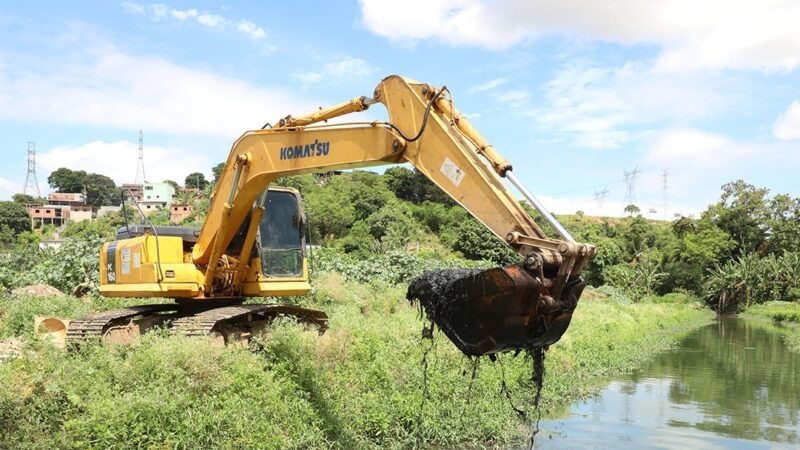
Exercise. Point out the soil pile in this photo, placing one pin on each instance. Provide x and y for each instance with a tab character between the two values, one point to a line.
37	290
10	348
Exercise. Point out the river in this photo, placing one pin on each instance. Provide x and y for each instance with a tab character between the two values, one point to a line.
731	384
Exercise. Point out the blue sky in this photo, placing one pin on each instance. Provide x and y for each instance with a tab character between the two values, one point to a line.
571	92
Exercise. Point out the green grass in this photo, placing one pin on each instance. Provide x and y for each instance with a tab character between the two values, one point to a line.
782	313
358	386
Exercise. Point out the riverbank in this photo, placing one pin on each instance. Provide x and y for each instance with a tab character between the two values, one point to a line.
784	314
359	385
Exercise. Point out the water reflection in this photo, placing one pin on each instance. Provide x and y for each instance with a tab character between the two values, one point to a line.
731	384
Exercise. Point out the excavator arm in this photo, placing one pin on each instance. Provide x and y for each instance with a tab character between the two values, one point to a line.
427	131
424	129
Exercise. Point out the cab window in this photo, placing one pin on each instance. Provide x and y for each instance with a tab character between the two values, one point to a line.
281	236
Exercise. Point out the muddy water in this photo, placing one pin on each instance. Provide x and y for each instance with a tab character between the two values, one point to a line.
732	384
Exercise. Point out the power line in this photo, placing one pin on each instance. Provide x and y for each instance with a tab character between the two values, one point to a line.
586	188
30	179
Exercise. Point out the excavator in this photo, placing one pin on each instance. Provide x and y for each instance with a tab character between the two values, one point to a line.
253	241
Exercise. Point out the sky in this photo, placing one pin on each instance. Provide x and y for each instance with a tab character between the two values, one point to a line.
573	93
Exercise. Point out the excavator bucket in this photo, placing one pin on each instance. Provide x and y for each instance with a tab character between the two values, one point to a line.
497	310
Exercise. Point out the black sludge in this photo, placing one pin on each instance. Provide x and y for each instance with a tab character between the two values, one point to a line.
503	309
431	290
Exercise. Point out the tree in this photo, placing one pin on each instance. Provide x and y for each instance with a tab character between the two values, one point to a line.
632	209
414	186
217	170
66	180
742	212
23	198
475	241
784	224
196	180
99	189
14	219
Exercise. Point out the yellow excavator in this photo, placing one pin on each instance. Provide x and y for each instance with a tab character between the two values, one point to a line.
252	243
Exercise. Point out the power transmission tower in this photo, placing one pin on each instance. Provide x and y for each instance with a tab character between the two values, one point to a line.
630	185
140	177
601	196
665	193
30	178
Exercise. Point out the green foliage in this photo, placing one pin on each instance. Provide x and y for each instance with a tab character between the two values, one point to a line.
742	213
195	180
331	213
475	241
217	171
14	219
360	385
632	210
638	280
26	198
392	225
360	242
413	186
75	262
781	312
99	189
89	229
390	267
749	279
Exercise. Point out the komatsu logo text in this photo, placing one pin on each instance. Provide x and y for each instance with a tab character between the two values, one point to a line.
311	150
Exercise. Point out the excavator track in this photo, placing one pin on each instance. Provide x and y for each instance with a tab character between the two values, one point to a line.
92	327
206	322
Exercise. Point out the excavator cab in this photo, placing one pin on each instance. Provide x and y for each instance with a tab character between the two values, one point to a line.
282	235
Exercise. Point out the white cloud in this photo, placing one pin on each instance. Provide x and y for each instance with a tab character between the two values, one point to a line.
118	160
9	188
584	105
183	14
345	68
132	8
697	148
787	125
107	88
514	97
308	77
251	29
212	20
605	108
710	34
158	12
488	85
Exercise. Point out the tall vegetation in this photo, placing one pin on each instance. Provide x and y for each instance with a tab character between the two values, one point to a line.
741	250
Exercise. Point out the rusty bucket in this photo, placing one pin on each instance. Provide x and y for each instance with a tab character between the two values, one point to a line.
497	310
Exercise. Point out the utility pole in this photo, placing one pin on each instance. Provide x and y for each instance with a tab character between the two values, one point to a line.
601	196
140	177
630	185
30	179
